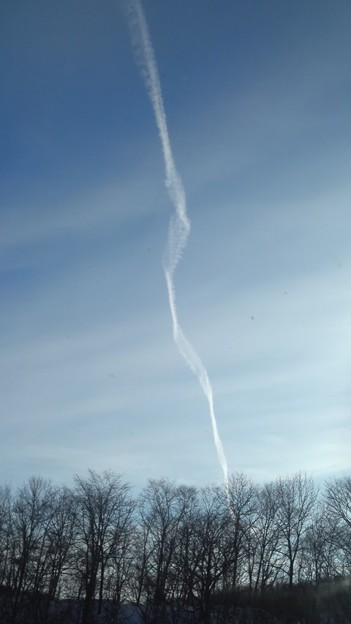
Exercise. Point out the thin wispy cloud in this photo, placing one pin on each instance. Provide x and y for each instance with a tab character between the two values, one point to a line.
179	227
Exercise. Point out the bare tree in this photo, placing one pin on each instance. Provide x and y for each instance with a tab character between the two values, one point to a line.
264	539
296	498
32	513
212	549
241	498
62	535
104	509
162	511
6	536
184	563
337	499
6	549
320	548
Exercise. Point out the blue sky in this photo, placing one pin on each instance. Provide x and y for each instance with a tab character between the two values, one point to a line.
258	100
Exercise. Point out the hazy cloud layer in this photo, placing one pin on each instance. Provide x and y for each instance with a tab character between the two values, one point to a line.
89	376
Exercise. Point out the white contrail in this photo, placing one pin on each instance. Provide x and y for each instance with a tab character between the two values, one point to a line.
179	227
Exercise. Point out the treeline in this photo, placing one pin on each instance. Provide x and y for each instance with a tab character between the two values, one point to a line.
83	551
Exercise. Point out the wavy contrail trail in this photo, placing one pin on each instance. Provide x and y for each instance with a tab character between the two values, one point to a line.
179	227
